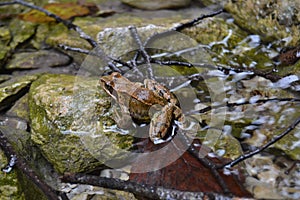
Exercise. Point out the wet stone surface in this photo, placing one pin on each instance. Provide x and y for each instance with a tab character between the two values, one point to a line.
67	122
39	59
273	21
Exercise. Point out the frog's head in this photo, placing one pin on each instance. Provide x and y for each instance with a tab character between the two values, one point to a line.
108	82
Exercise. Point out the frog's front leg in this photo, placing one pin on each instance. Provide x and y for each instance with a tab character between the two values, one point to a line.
160	124
121	115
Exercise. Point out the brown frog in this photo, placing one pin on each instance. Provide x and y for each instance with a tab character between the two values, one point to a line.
136	99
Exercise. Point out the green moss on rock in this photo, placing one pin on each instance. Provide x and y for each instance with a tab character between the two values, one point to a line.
8	182
68	122
14	88
267	18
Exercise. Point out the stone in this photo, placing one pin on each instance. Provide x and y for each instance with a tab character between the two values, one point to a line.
272	21
157	4
117	42
70	123
8	182
14	89
268	177
5	38
20	109
213	2
21	31
38	59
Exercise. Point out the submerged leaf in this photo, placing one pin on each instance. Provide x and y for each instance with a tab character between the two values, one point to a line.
186	173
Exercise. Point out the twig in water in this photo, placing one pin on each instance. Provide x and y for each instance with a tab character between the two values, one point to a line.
22	165
230	105
272	141
68	24
146	191
142	50
196	21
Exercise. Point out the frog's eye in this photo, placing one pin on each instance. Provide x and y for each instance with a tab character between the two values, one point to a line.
161	92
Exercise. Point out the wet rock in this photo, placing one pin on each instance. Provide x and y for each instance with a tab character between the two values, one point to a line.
275	118
59	34
8	182
83	192
92	26
13	89
157	4
119	41
214	2
25	151
269	178
4	52
5	37
70	120
4	77
230	45
38	59
20	31
20	109
10	37
272	20
15	123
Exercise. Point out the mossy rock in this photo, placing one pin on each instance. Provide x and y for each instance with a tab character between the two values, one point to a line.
8	182
69	116
14	89
272	21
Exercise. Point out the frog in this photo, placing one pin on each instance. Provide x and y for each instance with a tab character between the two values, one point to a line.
136	100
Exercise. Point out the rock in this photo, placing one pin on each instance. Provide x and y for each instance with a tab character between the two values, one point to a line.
22	146
38	59
4	78
92	26
83	192
117	42
212	2
157	4
269	178
70	123
58	35
5	38
21	31
20	109
14	89
15	123
272	21
8	182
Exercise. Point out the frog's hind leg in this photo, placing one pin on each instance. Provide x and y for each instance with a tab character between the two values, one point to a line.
160	125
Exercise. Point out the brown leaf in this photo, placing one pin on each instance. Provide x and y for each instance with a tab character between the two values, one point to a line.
63	10
187	173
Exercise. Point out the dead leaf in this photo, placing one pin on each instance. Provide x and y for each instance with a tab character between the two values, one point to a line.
185	174
63	10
